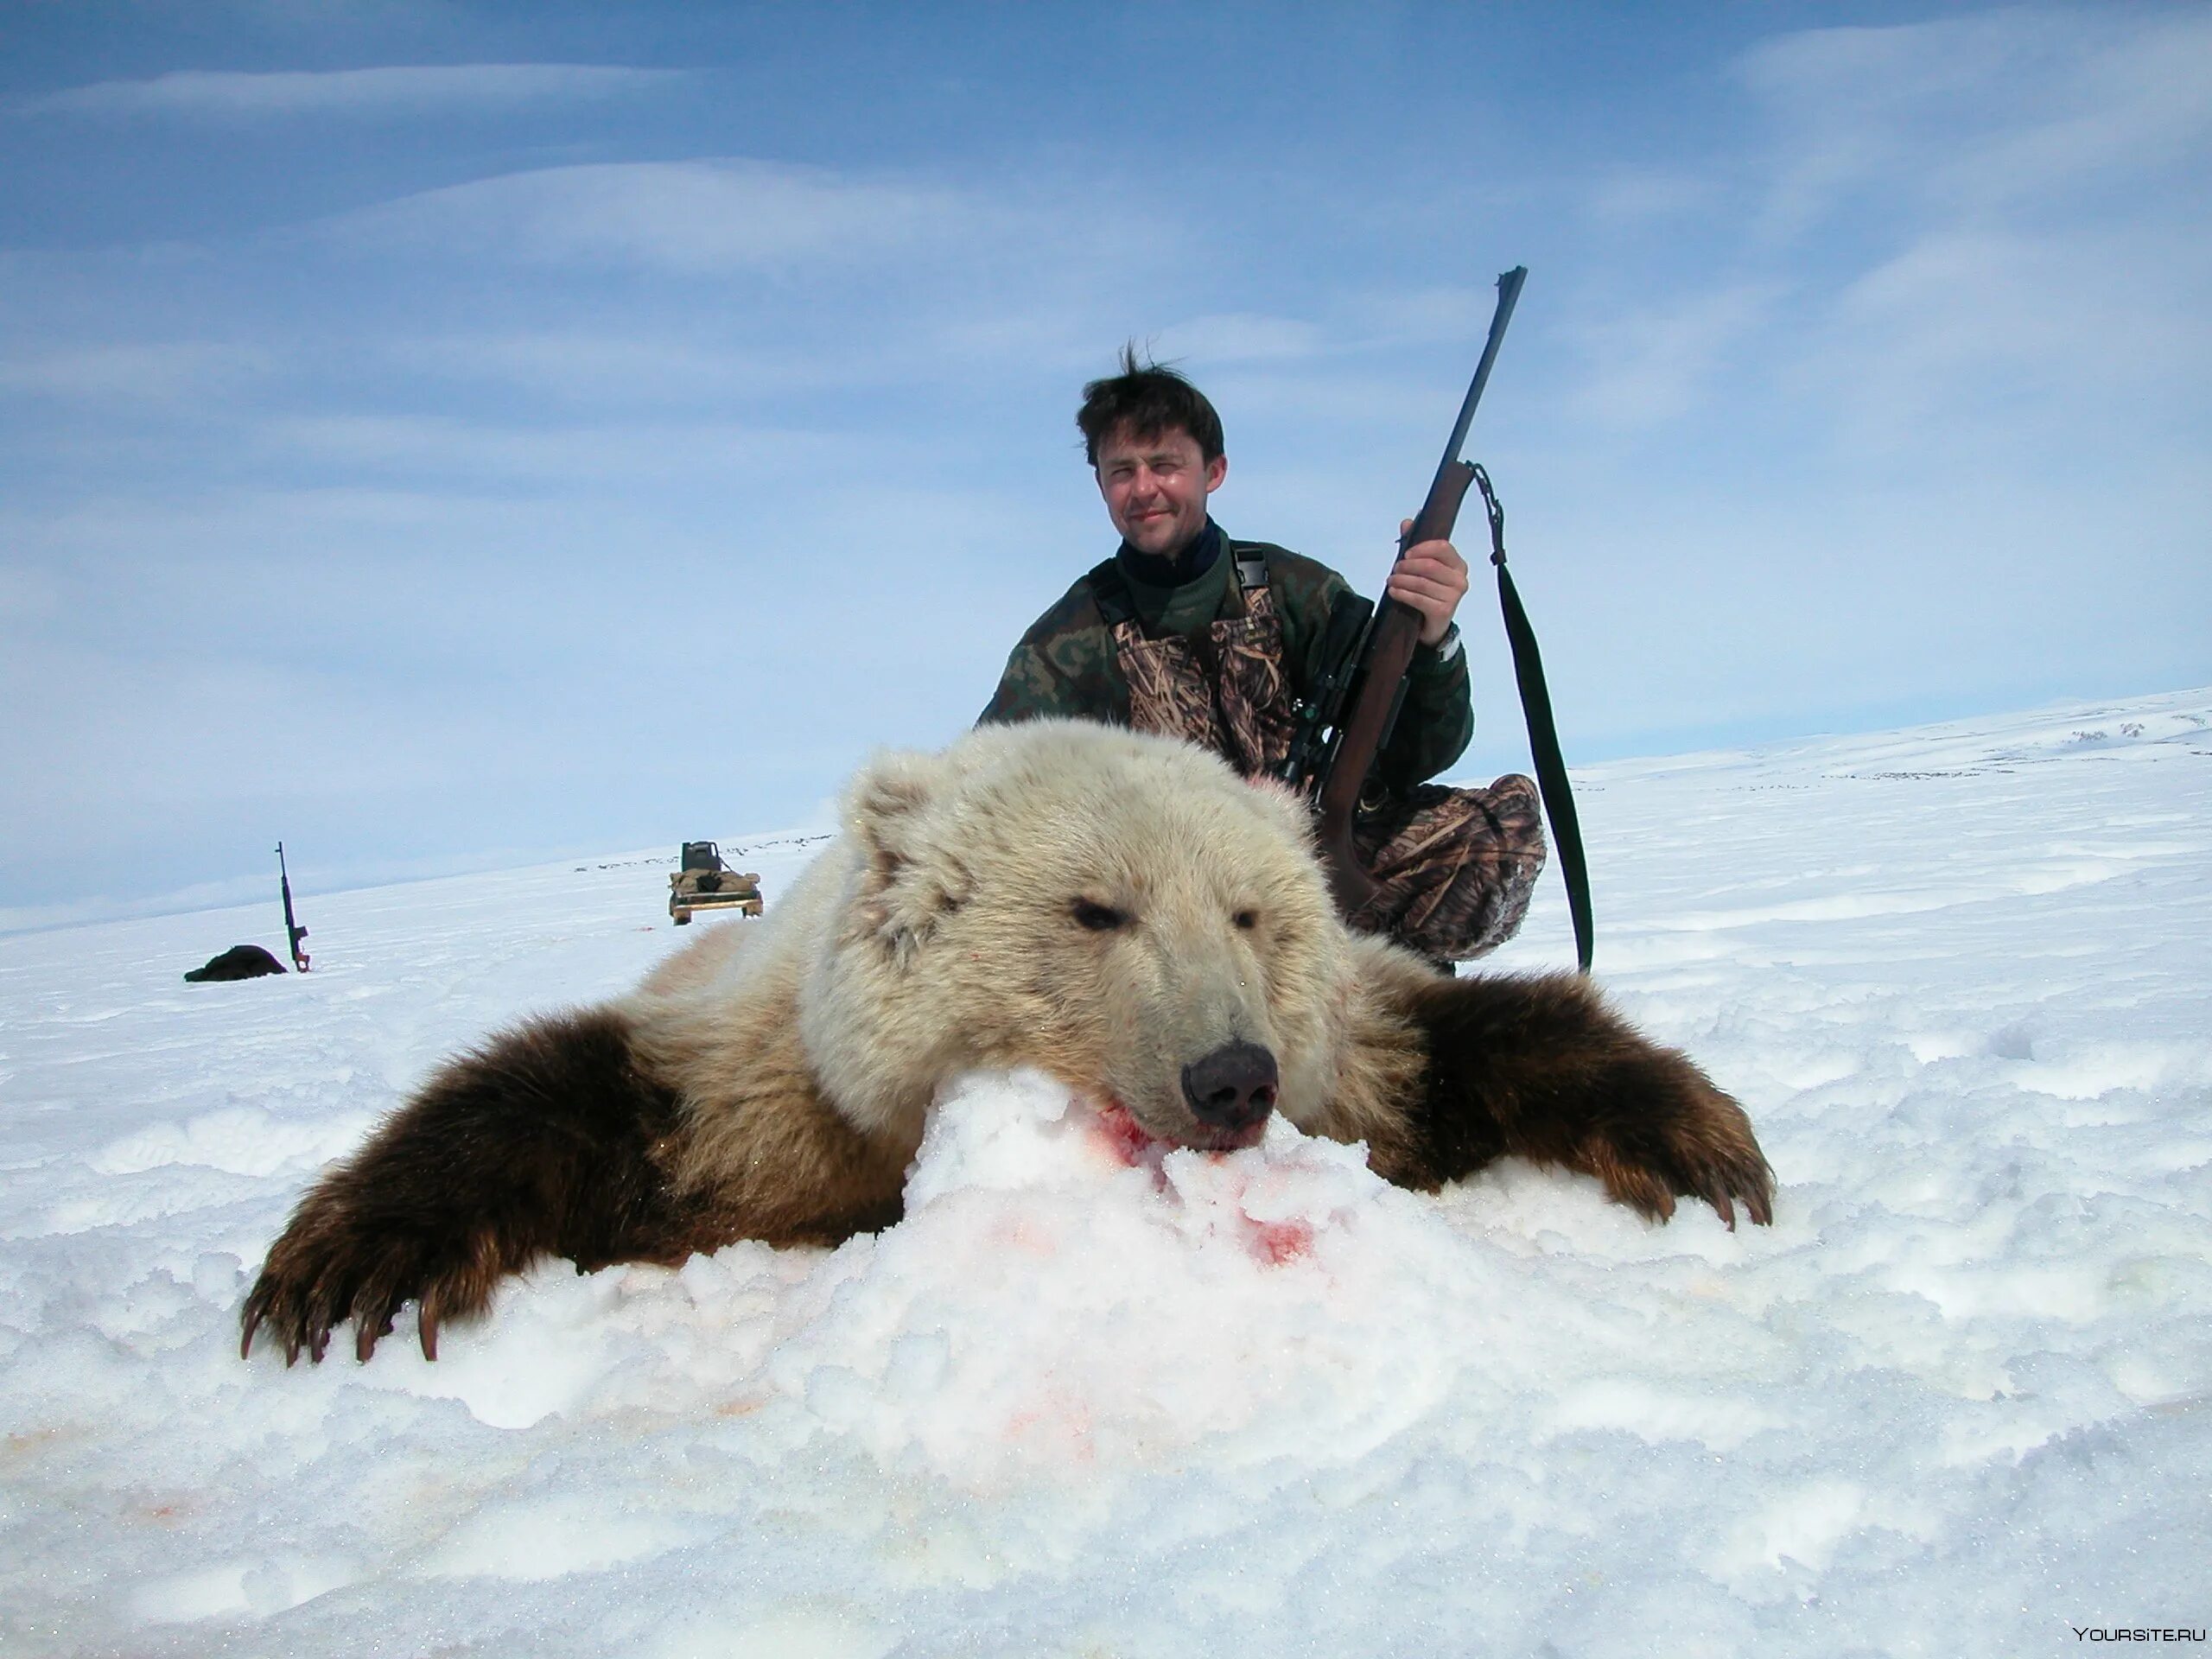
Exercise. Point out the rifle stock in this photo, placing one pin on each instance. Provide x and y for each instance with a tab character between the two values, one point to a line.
1379	684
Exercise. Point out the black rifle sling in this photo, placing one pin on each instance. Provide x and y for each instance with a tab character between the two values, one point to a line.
1543	736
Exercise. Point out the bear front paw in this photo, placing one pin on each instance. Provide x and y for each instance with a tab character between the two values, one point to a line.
326	1270
1697	1145
1539	1066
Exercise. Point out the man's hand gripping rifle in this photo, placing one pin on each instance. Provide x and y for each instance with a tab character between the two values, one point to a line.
1354	703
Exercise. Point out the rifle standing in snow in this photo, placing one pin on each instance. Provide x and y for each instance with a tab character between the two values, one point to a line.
293	932
1363	682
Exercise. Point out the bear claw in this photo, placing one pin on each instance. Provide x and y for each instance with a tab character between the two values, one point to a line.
1747	1179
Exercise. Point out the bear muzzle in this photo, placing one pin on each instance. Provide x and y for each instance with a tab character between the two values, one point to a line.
1230	1092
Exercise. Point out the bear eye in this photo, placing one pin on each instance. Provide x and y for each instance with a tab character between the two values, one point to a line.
1248	919
1099	919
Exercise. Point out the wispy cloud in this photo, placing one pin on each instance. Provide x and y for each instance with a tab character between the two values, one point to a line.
1655	364
2119	110
1241	337
702	218
393	91
1424	314
1945	238
2019	258
1869	109
1978	114
557	458
161	373
626	363
1644	195
1975	341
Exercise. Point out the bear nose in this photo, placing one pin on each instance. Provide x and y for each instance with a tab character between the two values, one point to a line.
1233	1087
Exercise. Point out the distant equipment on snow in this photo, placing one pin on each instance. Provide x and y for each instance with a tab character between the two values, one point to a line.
704	882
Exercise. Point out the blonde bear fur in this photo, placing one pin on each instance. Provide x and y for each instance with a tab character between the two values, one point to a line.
1110	907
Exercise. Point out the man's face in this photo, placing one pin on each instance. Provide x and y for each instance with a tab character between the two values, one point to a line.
1156	487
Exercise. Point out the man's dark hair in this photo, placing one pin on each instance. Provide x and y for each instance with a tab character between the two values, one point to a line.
1148	401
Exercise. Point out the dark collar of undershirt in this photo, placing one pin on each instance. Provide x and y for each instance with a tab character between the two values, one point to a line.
1177	569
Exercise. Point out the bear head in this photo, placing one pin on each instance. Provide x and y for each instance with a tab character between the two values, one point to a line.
1118	910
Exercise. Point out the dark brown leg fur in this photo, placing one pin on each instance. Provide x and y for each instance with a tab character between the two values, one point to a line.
539	1144
1540	1067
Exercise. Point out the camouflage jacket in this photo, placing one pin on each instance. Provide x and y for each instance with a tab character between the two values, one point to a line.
1066	664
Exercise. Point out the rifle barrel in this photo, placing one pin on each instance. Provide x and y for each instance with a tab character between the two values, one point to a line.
1508	291
1388	649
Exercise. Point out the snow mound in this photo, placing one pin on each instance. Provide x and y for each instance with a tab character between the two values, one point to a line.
239	1140
1059	1301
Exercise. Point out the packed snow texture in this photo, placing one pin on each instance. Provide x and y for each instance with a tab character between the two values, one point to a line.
1088	1399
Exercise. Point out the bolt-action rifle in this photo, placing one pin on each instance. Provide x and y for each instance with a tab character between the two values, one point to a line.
293	932
1353	704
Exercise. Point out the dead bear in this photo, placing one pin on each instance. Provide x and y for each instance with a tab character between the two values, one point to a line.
1120	911
239	962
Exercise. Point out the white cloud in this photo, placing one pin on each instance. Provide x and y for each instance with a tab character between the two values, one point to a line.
1656	363
1641	196
160	373
1240	337
396	91
1980	114
2023	259
1244	341
1976	342
701	218
629	366
2127	107
641	455
1960	242
1857	108
1457	312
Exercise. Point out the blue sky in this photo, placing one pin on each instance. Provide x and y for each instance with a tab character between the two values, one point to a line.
431	435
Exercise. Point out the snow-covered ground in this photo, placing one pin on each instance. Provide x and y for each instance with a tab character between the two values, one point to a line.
1957	1401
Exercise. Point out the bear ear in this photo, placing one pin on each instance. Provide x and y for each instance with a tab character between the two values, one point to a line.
907	881
889	793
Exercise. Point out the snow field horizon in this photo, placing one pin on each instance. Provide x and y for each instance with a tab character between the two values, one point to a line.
254	892
1957	1400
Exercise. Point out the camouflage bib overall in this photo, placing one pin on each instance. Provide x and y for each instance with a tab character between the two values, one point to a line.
1454	868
